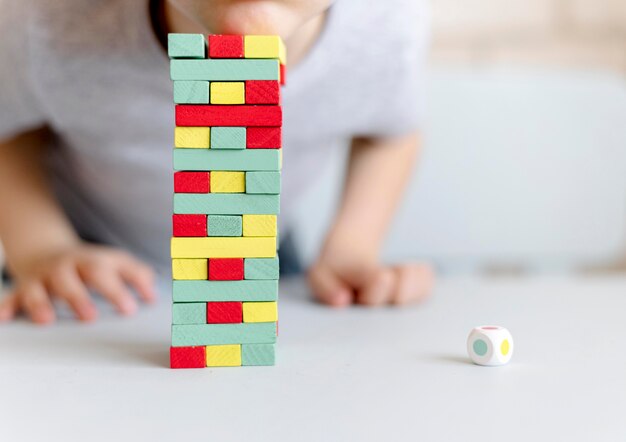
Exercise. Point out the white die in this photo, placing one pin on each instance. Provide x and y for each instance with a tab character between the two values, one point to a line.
490	345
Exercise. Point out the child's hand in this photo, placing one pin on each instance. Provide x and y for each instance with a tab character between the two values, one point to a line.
340	279
70	275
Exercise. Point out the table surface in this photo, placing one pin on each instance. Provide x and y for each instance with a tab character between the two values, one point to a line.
353	374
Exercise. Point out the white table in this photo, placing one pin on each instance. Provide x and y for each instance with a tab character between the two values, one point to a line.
354	374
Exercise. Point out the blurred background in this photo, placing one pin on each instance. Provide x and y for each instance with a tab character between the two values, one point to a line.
524	162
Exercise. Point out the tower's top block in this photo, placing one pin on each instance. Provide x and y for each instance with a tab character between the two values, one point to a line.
265	46
227	46
186	46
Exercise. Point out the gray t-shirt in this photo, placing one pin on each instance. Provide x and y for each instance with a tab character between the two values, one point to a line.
94	72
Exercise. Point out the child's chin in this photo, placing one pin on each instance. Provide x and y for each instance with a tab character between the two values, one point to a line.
253	17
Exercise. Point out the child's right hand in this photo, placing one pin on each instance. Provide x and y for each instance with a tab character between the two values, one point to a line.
70	275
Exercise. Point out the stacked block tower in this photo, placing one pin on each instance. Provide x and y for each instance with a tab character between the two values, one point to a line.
227	161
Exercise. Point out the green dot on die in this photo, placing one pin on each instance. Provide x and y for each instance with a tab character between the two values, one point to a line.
480	347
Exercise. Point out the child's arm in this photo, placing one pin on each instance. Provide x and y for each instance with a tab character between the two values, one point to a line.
348	268
44	254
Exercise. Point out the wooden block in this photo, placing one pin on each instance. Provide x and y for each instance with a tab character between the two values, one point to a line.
283	74
223	355
227	204
224	70
186	45
225	269
189	313
258	354
189	225
222	291
264	138
192	137
224	312
226	46
192	182
216	334
262	92
224	225
188	357
232	92
191	92
260	312
228	138
259	225
221	115
240	247
215	159
267	183
264	46
228	182
261	268
189	269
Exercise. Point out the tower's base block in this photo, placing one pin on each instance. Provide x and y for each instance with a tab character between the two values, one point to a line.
258	354
188	357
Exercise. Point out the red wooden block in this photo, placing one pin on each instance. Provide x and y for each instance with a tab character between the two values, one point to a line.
224	312
192	182
262	92
283	74
187	357
225	269
225	46
263	138
224	115
189	225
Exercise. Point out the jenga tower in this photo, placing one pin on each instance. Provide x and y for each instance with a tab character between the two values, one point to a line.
227	161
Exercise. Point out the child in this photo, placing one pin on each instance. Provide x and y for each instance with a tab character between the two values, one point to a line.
86	131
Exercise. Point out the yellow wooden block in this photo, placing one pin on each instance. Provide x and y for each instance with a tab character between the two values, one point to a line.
265	46
259	225
224	247
260	312
192	137
223	355
228	92
228	182
186	269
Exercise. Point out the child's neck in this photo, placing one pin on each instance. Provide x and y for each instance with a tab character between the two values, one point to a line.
298	43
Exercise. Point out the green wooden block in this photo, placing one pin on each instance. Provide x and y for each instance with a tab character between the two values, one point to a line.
223	334
227	159
258	354
186	45
189	313
224	69
263	182
224	225
260	268
228	138
226	204
223	291
191	92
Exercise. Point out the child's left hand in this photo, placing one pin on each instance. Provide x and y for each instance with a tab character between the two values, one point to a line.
339	279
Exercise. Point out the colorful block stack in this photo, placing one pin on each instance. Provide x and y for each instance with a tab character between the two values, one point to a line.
227	161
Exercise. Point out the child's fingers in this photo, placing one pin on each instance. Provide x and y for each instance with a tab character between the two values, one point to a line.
379	288
328	288
8	307
415	283
141	278
109	284
36	303
67	285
